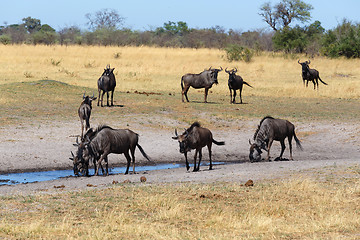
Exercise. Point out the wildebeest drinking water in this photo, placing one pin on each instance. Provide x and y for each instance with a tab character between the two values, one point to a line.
309	74
106	140
107	83
84	112
271	129
196	137
235	82
204	79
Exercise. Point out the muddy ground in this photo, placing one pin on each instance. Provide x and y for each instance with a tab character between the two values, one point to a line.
45	146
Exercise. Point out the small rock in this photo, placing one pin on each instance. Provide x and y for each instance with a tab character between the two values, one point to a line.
115	182
143	179
127	181
249	183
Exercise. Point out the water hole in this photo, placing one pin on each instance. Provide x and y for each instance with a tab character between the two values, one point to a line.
30	177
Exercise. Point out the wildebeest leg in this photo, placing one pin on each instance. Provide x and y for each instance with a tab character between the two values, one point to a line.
128	162
200	157
184	92
195	156
82	129
290	147
209	149
112	98
268	151
107	99
240	90
186	161
106	166
98	163
206	93
307	82
282	148
132	151
99	97
317	83
234	99
231	101
102	98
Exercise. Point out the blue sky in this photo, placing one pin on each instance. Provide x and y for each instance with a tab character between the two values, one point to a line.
144	14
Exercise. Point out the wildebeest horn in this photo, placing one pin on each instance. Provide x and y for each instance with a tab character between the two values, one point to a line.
84	94
299	61
250	142
308	61
221	68
72	159
235	70
227	70
176	134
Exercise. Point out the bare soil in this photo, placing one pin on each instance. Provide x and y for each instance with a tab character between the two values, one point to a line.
45	146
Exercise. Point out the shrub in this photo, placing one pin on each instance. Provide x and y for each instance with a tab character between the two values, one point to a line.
5	39
236	52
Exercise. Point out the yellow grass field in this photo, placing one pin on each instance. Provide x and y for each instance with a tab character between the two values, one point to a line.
160	69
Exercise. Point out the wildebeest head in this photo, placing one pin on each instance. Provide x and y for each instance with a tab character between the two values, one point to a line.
304	65
214	74
231	74
81	159
87	100
108	71
255	152
182	139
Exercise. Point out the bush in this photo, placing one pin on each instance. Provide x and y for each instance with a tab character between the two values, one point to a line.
236	52
5	39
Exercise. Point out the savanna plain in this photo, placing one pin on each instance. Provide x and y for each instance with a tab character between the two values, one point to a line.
316	196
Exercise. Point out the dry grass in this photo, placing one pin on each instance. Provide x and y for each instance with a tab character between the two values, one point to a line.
299	208
160	69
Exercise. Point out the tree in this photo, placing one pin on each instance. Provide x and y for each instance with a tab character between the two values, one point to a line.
285	12
32	24
105	18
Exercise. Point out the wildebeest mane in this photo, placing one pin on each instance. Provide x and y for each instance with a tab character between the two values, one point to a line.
195	124
262	120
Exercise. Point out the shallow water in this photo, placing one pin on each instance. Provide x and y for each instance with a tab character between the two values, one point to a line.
30	177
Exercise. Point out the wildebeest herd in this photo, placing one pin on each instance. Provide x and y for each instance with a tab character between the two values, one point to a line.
97	143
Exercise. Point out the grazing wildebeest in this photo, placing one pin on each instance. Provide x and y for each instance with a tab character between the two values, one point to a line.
84	112
196	137
204	79
235	82
271	129
309	74
107	140
107	83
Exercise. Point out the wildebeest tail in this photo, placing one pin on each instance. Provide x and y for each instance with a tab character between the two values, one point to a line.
143	152
182	85
247	84
298	143
218	143
87	122
322	81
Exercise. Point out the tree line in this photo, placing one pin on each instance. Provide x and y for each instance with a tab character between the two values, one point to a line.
105	27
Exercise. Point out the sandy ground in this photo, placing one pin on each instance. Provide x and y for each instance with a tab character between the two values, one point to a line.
43	146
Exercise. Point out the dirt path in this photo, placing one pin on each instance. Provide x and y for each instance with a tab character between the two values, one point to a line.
47	146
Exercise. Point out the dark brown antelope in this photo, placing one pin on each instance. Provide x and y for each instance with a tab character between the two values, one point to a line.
84	112
235	82
309	74
204	79
196	137
106	84
271	129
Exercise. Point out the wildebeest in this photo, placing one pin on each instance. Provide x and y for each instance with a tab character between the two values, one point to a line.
107	140
84	112
204	79
107	83
309	74
235	82
271	129
196	137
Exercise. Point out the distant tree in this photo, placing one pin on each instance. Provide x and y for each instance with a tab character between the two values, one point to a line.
31	24
283	13
70	35
172	28
105	18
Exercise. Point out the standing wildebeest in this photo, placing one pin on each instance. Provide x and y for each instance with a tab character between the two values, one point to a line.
271	129
107	83
196	137
309	74
107	140
84	112
235	82
204	79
